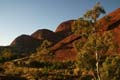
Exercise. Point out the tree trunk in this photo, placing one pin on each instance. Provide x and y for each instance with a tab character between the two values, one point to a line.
96	53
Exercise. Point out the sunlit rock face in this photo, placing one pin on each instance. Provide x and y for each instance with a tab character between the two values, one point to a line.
65	26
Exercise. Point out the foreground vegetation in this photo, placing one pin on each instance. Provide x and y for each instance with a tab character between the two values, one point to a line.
42	70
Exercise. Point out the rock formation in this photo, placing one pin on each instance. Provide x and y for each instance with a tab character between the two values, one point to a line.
63	37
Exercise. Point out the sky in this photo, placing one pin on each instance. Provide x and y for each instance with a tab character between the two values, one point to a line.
19	17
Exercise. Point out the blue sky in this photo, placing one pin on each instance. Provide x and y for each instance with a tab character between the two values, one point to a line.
26	16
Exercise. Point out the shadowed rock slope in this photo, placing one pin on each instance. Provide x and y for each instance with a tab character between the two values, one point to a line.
26	43
44	34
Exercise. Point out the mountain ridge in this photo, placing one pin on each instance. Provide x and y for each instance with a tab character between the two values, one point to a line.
62	37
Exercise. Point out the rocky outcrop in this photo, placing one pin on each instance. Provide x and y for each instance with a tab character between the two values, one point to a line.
63	37
64	49
26	42
112	22
64	29
65	26
44	34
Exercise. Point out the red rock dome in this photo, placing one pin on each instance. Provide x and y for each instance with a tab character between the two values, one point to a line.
65	26
43	34
26	42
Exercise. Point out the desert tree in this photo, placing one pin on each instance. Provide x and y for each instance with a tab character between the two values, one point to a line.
90	42
41	52
93	14
94	46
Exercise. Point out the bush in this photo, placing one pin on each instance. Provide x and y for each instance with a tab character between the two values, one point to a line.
110	69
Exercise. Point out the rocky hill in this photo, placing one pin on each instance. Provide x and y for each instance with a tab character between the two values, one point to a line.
44	34
31	42
62	38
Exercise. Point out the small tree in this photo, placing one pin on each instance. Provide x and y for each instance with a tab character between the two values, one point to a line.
92	40
93	14
43	49
44	46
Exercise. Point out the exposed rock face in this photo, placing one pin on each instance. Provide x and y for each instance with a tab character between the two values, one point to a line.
116	32
112	22
65	26
44	34
64	49
109	20
64	29
26	42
